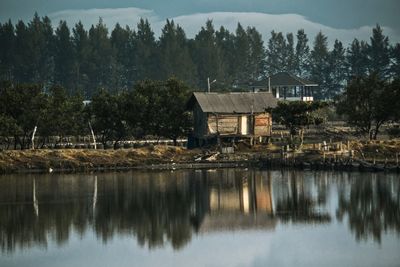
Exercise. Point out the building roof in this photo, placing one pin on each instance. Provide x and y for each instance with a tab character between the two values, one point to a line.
285	79
230	103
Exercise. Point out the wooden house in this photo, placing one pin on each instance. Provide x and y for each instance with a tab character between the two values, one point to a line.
231	115
287	86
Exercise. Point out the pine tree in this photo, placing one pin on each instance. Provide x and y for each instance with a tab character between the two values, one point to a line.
242	56
337	69
395	55
276	53
357	59
23	71
175	59
319	65
7	51
101	61
290	55
257	64
145	56
302	62
379	52
81	47
207	56
120	41
225	41
64	58
41	49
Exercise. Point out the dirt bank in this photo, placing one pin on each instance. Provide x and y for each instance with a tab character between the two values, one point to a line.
85	159
346	156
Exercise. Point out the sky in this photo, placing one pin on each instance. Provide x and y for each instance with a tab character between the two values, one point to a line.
338	19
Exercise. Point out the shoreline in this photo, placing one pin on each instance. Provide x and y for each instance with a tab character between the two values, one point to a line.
173	158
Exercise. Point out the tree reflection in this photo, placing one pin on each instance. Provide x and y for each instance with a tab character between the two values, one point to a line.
372	207
155	208
296	203
168	208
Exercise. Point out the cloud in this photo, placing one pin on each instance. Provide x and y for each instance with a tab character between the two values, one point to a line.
111	16
285	23
192	23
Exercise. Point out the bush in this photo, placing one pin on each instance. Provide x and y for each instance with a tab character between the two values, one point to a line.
393	132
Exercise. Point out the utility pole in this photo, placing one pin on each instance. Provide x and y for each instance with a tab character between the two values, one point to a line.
209	84
269	85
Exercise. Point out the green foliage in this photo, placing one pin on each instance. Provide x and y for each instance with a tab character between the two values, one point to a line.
319	67
296	115
176	120
257	55
175	60
64	61
302	54
145	57
153	108
22	107
118	58
121	43
63	114
276	53
107	117
163	107
368	103
7	50
379	53
81	45
394	132
207	56
395	55
101	61
357	59
337	70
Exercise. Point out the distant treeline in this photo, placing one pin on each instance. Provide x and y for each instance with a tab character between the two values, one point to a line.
154	108
84	61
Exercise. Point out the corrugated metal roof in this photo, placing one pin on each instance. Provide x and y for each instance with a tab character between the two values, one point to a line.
233	102
285	79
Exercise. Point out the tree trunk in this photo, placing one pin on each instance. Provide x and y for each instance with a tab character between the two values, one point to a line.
370	134
104	141
8	142
174	139
377	126
22	142
301	138
15	142
116	143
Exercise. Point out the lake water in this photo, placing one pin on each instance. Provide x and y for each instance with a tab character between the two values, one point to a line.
225	217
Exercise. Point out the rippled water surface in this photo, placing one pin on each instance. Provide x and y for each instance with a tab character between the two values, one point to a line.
227	217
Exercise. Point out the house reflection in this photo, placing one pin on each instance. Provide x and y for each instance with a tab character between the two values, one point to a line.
251	193
238	200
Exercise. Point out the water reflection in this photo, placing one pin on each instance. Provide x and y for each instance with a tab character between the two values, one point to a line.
372	206
160	208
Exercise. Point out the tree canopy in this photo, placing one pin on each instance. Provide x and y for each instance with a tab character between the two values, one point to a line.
84	60
368	102
296	115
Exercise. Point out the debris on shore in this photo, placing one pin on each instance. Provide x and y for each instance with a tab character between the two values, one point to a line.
367	156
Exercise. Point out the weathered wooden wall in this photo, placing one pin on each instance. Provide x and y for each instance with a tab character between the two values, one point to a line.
262	125
200	122
231	124
227	124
